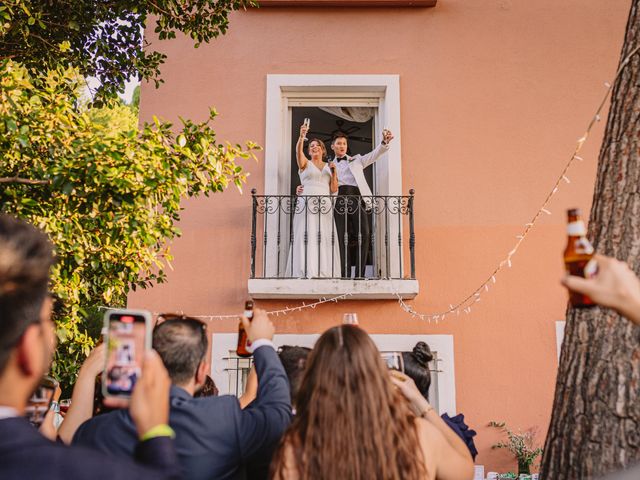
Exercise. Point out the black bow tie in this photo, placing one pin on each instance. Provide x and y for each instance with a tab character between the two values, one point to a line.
341	159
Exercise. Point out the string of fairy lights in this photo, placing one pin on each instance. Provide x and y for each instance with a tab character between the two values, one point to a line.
466	304
474	297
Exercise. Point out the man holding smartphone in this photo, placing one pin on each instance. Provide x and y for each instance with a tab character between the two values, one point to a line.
215	437
27	344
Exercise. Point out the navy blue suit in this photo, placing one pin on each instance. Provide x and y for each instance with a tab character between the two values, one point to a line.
25	454
214	436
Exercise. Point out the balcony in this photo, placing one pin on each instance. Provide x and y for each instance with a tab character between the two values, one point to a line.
315	246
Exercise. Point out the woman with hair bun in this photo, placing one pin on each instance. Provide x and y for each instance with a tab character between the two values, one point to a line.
353	424
416	366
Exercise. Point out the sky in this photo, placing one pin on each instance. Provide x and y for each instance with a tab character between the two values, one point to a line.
130	86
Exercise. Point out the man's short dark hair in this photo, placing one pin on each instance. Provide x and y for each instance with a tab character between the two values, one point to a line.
182	344
294	360
338	135
25	258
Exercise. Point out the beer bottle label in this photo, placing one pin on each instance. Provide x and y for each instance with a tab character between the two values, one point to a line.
576	229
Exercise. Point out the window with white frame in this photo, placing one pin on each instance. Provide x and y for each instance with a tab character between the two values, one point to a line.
229	374
362	105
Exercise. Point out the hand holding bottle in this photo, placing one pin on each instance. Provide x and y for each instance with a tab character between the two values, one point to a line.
260	327
615	286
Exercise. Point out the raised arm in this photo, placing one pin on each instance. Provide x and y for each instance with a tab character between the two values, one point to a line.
300	157
250	389
450	455
377	152
263	422
81	408
333	184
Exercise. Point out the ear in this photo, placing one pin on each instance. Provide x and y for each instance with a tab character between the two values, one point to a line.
201	373
29	352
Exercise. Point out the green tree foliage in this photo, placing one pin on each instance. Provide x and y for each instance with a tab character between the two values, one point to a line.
104	38
108	197
135	99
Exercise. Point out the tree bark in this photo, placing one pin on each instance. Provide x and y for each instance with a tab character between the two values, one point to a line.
595	424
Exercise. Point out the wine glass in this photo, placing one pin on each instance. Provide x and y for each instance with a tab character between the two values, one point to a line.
65	404
350	319
306	123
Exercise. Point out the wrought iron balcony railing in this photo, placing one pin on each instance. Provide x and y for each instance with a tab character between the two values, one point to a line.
332	236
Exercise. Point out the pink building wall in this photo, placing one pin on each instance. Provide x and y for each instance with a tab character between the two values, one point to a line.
494	95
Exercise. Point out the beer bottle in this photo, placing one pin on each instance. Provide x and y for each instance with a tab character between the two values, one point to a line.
243	341
578	256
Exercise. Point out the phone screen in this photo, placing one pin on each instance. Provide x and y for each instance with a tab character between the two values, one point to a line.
127	337
393	360
40	402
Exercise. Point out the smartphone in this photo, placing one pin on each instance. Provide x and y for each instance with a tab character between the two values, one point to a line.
393	360
40	401
128	335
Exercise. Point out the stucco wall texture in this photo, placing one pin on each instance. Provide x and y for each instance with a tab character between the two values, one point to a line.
494	95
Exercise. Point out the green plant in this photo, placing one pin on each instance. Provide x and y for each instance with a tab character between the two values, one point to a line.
107	192
521	445
104	39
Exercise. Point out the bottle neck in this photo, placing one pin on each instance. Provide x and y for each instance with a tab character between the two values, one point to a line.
576	228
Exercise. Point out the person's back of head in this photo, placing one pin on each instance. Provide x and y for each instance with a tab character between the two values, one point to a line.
416	365
25	258
293	360
182	344
351	422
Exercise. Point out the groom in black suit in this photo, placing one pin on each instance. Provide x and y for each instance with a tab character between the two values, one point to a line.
354	204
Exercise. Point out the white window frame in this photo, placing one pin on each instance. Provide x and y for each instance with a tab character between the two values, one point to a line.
443	380
287	91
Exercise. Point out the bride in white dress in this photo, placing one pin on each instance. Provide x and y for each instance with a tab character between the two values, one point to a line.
314	215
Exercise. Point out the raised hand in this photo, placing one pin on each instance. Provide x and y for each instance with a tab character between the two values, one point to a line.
615	286
150	400
387	136
260	327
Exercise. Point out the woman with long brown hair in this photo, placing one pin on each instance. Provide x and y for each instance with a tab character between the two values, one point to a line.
352	422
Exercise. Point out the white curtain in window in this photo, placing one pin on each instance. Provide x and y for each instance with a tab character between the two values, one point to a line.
353	114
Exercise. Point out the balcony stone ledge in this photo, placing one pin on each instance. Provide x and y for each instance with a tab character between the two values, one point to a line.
315	288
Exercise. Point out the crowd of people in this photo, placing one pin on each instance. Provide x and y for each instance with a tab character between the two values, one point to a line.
332	412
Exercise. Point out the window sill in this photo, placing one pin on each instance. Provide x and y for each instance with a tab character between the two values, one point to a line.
283	288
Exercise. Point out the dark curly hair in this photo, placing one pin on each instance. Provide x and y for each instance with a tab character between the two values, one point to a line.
416	365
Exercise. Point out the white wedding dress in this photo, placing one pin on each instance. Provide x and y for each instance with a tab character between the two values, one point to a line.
315	216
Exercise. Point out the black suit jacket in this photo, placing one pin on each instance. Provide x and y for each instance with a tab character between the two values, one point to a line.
215	438
25	454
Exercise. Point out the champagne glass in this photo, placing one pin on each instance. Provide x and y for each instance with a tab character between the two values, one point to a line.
350	319
306	123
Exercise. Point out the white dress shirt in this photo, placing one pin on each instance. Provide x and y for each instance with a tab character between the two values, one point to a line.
345	177
259	343
7	412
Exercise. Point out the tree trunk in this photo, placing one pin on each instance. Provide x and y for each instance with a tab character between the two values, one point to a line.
595	424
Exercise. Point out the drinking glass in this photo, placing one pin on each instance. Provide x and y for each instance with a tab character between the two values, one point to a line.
40	401
306	123
65	404
350	319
